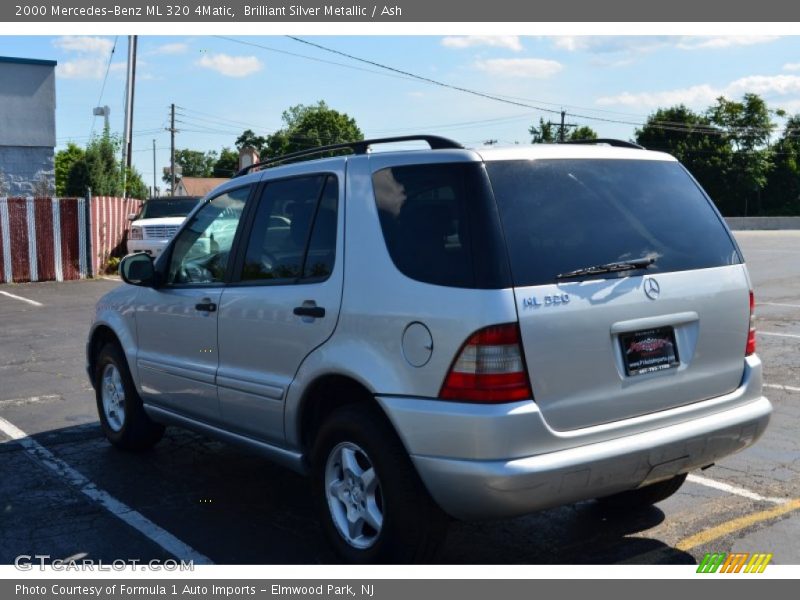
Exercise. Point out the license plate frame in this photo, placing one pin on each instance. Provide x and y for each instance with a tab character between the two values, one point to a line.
649	351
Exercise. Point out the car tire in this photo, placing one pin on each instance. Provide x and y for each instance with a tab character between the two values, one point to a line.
122	416
372	504
644	496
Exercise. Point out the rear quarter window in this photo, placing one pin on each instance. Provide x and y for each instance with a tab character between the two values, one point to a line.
559	215
441	226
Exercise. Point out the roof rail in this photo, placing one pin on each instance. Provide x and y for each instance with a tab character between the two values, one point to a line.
358	147
609	141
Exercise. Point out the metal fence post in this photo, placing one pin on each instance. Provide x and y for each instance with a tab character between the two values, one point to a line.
89	232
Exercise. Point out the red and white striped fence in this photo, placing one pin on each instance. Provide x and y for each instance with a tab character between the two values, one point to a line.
45	239
109	227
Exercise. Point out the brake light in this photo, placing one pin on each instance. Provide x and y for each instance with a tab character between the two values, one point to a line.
751	334
489	368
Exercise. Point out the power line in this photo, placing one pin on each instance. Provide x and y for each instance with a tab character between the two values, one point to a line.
307	57
508	100
105	79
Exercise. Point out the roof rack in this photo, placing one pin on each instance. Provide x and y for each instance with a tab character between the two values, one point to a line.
609	141
359	147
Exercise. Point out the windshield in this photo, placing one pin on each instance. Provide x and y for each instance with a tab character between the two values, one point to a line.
172	207
560	215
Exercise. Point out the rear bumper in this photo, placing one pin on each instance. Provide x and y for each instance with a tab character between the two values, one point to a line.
484	489
489	462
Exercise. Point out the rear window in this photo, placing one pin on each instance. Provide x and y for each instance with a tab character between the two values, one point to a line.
562	215
441	225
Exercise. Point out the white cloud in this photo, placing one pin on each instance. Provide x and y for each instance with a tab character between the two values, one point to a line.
791	106
692	96
177	48
92	57
791	67
724	41
537	68
631	44
86	68
230	66
510	42
84	44
764	85
601	44
705	94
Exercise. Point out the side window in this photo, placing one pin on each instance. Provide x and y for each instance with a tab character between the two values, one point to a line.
294	231
424	215
202	250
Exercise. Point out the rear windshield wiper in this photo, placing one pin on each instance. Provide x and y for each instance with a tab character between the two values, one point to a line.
612	267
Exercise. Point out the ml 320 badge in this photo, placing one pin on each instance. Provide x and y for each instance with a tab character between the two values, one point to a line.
554	300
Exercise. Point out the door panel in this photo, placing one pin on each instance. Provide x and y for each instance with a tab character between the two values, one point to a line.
286	304
177	357
177	322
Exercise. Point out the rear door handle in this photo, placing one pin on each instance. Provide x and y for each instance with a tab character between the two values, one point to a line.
206	306
315	312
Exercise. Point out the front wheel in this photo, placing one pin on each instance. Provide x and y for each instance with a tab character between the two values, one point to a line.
122	416
373	506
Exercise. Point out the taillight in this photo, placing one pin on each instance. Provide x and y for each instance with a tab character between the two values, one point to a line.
489	368
751	334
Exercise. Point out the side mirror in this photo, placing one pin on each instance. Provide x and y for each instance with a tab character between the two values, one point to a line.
138	269
131	216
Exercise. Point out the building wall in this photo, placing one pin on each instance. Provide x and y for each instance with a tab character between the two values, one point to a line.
22	168
27	126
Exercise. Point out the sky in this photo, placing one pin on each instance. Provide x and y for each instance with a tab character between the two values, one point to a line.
223	85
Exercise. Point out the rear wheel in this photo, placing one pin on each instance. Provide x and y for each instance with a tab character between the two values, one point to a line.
122	416
644	496
373	506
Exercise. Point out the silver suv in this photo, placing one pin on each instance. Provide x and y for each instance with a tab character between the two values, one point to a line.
473	333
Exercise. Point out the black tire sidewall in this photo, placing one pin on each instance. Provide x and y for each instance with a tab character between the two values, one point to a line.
138	431
411	521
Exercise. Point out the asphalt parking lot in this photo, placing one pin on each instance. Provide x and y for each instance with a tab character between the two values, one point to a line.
67	493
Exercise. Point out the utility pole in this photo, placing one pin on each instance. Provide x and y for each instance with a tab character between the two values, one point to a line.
133	97
172	150
127	132
154	168
562	129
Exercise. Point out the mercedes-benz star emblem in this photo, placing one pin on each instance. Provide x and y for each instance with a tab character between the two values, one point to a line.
651	288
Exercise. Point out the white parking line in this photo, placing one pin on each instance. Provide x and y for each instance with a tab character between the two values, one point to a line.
31	400
15	297
117	508
779	304
788	335
785	388
732	489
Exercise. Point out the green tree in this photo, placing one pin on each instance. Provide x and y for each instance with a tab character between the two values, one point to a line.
782	193
193	163
249	138
227	164
308	127
135	186
583	132
691	138
546	133
64	162
747	126
98	169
